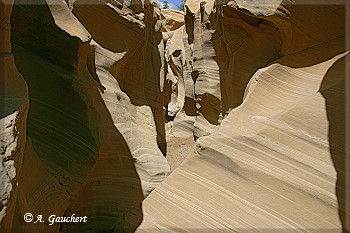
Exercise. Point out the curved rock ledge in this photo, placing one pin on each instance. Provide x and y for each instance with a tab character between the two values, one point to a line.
227	117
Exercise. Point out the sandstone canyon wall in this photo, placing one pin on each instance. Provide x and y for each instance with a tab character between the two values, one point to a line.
228	117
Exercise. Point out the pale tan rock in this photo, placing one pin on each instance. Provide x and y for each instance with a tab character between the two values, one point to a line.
118	80
270	165
136	124
246	100
180	141
275	161
174	55
87	137
172	19
219	41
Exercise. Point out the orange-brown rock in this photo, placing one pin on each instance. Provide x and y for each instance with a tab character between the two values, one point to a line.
268	86
86	137
228	117
13	115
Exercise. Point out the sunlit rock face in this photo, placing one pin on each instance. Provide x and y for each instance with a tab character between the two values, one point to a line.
90	145
265	100
229	116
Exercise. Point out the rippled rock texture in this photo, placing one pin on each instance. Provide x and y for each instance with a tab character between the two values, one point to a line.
228	117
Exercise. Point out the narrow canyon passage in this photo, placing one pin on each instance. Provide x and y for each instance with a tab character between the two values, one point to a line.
228	116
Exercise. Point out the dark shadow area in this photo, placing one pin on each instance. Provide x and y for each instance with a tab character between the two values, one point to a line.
210	107
71	129
48	41
12	85
111	194
243	43
241	50
169	118
130	75
190	107
333	91
156	99
138	68
13	88
91	63
315	55
189	19
57	119
194	75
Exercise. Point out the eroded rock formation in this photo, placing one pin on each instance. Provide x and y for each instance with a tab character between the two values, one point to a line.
261	88
13	115
95	150
243	102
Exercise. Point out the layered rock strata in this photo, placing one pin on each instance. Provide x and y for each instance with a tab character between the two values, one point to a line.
268	103
243	102
94	150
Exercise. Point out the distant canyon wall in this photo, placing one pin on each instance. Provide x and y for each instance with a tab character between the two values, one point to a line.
229	116
265	99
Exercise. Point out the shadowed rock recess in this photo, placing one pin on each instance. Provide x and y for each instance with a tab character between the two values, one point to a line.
227	117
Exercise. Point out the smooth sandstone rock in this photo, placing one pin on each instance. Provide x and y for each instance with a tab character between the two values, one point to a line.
270	164
276	161
246	99
81	142
172	19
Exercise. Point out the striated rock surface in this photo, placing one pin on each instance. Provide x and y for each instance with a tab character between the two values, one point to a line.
172	19
269	92
94	148
228	117
13	115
